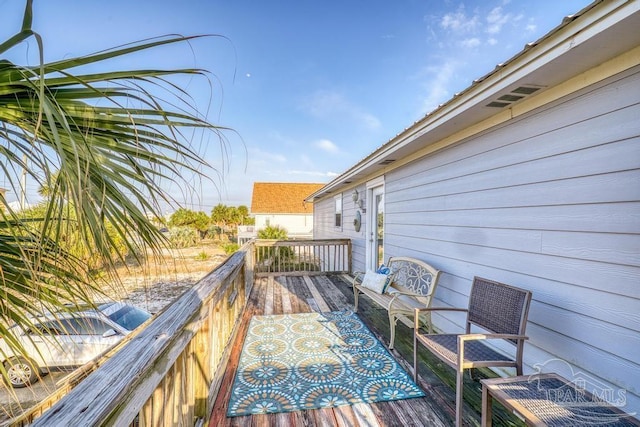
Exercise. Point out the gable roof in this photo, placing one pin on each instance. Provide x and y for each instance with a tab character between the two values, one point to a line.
598	33
282	197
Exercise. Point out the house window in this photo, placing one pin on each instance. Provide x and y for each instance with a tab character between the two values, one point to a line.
338	211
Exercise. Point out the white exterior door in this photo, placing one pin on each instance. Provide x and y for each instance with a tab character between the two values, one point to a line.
375	226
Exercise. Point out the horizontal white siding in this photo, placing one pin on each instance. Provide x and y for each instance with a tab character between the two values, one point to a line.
296	225
549	202
323	226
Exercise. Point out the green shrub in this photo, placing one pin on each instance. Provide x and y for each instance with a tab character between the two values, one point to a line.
230	248
273	232
213	232
268	255
183	237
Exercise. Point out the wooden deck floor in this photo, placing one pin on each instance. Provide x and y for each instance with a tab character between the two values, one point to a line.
300	294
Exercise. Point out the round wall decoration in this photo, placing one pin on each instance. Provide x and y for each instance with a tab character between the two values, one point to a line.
357	222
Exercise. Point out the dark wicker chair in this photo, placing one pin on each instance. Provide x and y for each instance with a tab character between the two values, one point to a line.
496	308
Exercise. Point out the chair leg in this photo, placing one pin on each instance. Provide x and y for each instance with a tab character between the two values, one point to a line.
355	300
415	358
459	388
392	327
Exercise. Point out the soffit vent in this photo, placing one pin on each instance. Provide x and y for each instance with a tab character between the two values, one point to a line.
386	162
515	95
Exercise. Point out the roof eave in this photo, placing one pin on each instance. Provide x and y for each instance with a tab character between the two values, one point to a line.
538	64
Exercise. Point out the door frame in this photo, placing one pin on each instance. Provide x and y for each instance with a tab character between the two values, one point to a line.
372	186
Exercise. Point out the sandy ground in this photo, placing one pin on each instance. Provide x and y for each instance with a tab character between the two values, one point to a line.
151	286
161	281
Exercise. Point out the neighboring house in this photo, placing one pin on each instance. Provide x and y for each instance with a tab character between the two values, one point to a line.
283	204
246	233
530	176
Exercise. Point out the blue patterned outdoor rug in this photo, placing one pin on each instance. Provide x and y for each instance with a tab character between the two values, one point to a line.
304	361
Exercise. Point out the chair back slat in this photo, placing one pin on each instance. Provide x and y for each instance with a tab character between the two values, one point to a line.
498	308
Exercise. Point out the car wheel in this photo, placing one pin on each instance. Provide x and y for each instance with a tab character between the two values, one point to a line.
21	372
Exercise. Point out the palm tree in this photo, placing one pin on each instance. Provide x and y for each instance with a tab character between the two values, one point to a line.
102	144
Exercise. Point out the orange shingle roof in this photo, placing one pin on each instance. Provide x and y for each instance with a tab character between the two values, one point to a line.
282	197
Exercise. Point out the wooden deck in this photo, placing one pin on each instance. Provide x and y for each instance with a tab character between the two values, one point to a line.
303	294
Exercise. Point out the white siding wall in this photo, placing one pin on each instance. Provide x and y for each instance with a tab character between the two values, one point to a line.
549	202
323	225
296	225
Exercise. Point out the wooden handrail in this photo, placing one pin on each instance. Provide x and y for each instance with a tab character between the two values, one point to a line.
170	365
285	257
169	373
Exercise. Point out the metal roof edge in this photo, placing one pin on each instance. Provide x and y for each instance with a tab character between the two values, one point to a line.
537	49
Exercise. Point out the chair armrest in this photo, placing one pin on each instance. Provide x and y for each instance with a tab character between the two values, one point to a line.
442	309
417	311
476	337
358	276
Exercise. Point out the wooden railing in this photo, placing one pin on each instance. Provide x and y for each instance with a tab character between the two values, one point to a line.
169	373
296	256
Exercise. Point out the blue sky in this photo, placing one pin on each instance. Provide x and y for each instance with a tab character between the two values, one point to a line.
310	87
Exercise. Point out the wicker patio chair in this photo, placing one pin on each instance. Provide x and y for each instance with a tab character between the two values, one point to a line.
496	308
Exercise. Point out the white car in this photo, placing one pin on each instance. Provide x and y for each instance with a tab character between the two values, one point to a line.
67	340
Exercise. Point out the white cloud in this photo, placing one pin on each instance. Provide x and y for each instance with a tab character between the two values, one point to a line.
492	42
496	19
331	104
326	174
326	145
459	21
470	43
438	80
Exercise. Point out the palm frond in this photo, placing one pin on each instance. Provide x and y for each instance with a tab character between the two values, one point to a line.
104	144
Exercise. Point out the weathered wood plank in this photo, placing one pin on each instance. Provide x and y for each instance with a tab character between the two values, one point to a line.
292	296
334	298
277	296
285	297
317	297
220	406
268	301
365	415
345	416
324	417
299	288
